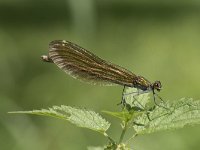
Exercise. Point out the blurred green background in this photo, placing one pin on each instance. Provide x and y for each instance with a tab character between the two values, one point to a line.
157	39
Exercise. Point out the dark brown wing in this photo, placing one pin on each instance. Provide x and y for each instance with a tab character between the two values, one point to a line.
82	64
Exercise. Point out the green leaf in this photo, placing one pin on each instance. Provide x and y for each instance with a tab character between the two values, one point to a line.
135	104
80	117
136	98
180	113
123	115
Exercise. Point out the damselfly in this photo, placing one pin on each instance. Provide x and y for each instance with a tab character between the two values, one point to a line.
85	66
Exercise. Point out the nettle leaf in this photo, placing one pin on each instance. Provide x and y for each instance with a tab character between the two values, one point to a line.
183	112
124	115
169	115
136	98
135	105
78	116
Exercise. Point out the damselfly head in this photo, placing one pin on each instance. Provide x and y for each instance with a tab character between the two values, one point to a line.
156	86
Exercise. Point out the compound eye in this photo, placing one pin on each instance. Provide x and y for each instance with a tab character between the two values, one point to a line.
157	85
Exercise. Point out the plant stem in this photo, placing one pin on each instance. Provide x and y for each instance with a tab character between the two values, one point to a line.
106	135
123	132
